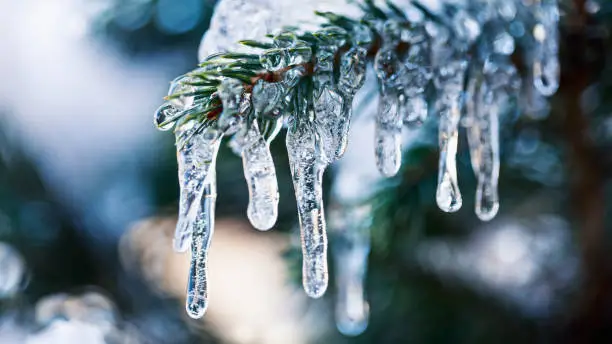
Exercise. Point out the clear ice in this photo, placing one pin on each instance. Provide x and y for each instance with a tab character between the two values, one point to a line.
203	229
489	96
231	94
165	116
414	107
546	48
260	175
196	155
449	81
350	249
329	106
391	73
307	163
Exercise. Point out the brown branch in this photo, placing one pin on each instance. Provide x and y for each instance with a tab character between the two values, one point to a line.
586	189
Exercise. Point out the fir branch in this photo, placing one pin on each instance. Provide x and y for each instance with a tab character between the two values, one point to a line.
248	68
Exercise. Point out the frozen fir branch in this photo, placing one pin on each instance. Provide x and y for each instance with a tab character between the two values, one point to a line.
197	92
455	63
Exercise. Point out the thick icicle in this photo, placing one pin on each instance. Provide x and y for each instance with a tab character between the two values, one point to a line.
546	49
391	73
449	82
196	154
306	160
203	229
351	79
260	175
328	101
350	250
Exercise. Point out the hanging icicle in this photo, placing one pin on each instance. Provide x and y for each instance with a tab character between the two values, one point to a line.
307	163
391	73
546	46
418	65
328	101
260	175
449	80
202	231
349	226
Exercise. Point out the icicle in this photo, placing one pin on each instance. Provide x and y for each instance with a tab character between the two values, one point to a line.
388	130
203	228
487	199
388	133
306	160
500	81
328	102
482	135
351	79
546	50
449	82
448	196
196	153
328	105
260	175
350	250
414	106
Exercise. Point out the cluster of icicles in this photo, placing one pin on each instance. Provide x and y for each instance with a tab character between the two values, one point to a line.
457	66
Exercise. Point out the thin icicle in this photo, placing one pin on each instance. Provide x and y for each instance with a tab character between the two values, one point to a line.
306	160
546	49
350	250
391	73
499	82
448	80
483	141
196	153
260	175
203	229
414	108
448	196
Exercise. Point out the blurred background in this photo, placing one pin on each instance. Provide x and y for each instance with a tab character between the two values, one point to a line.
88	196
